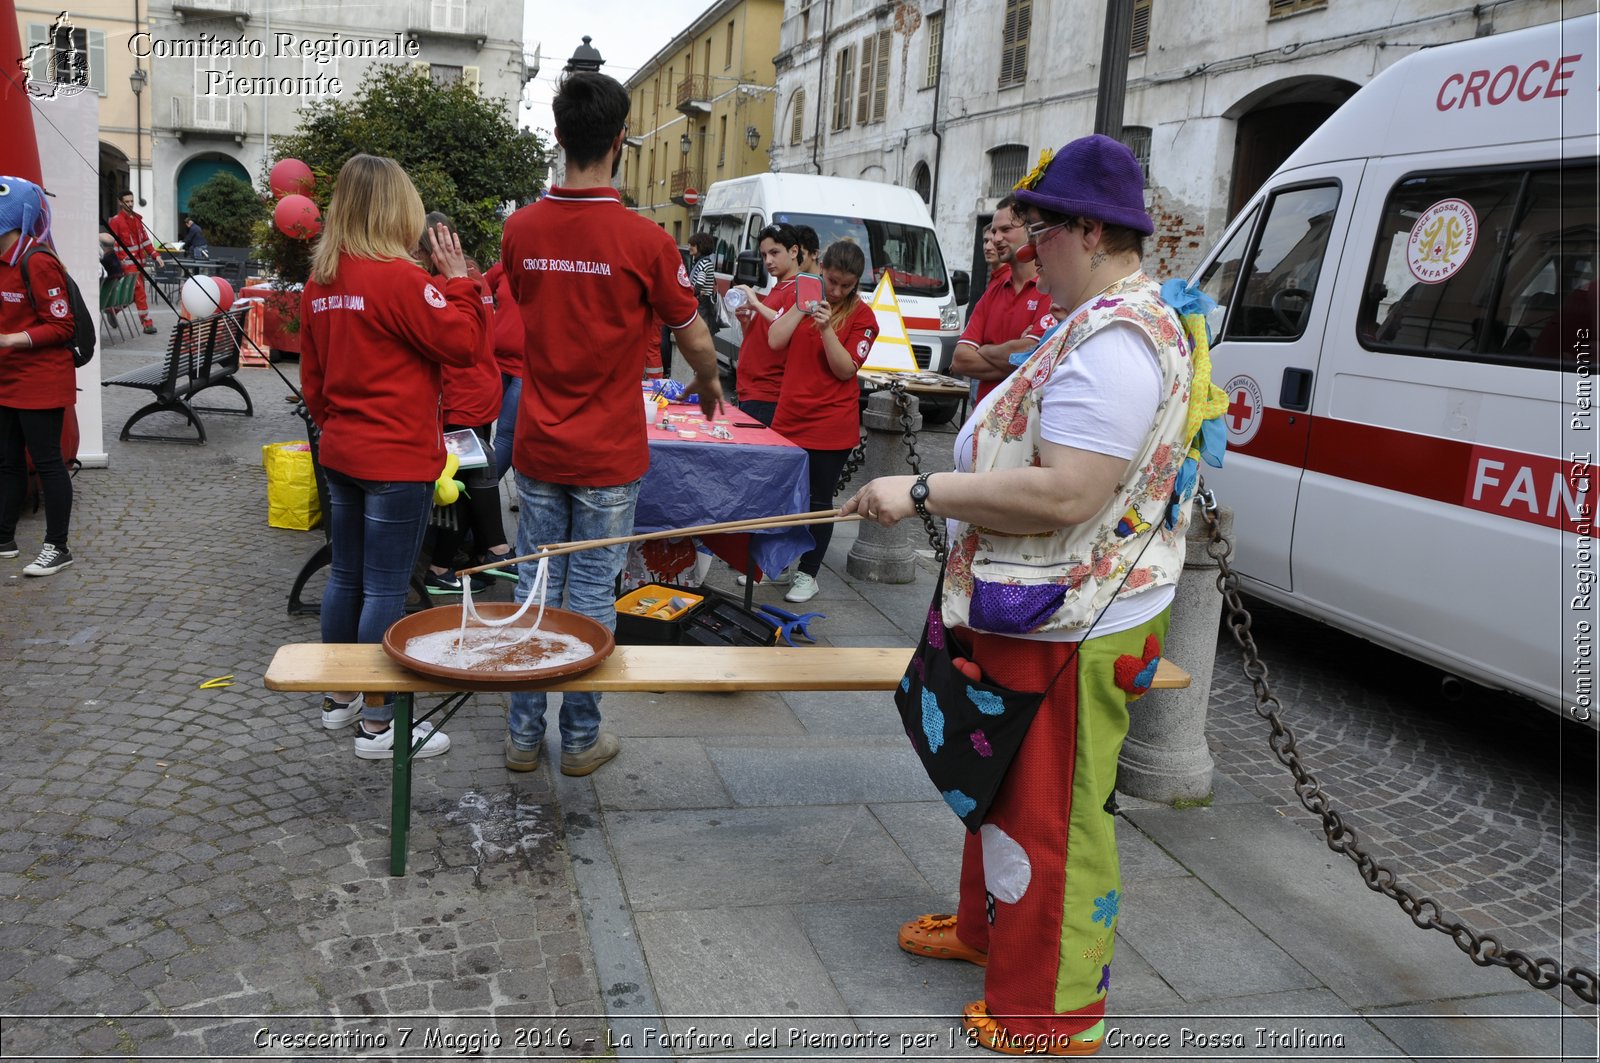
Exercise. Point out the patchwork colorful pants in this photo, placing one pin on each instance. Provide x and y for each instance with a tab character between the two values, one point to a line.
1040	883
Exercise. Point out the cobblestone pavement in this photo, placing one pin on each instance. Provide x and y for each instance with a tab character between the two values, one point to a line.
1487	804
177	856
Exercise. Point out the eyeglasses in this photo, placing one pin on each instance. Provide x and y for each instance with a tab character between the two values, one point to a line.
1040	228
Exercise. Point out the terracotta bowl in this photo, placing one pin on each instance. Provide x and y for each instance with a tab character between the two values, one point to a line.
448	617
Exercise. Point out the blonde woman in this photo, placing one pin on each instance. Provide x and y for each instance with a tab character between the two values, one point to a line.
375	331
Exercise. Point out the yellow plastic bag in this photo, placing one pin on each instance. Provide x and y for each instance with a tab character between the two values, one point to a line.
291	486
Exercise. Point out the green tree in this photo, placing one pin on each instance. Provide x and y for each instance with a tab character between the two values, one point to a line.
227	209
466	157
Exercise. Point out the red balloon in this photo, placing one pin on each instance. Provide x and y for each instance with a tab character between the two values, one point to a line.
224	294
297	217
291	177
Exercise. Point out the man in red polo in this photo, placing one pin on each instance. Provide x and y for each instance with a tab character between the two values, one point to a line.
1008	308
589	277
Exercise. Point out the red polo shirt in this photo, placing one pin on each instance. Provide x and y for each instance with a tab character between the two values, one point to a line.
761	367
589	275
472	392
40	377
1003	314
817	410
508	333
371	346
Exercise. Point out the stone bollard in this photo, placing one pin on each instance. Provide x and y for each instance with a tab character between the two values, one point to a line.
884	555
1165	757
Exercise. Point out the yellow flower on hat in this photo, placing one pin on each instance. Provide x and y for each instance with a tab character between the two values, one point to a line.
1036	174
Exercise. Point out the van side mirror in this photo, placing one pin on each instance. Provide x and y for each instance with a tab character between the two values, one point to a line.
749	270
961	281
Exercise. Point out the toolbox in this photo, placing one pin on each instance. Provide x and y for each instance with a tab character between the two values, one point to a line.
724	622
656	614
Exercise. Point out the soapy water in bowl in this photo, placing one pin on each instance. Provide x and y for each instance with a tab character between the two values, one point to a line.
489	646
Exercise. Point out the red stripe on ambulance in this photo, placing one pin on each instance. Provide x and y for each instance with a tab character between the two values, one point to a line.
1534	488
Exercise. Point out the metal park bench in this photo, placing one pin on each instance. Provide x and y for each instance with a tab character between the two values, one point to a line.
200	355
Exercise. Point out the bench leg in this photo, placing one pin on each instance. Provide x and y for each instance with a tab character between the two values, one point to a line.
226	382
316	561
165	406
400	796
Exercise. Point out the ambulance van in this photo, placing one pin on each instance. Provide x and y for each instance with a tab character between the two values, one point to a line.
1407	341
890	223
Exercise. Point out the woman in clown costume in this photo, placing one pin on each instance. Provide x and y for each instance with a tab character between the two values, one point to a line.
37	378
1067	511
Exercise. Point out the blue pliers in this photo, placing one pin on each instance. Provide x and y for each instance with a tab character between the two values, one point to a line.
790	624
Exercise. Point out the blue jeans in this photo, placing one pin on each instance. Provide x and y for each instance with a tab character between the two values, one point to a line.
505	427
376	531
584	582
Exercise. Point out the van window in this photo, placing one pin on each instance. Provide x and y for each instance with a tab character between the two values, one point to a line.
909	252
752	234
1476	265
1284	265
725	229
1222	274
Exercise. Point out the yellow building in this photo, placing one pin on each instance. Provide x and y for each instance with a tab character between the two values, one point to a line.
701	111
91	53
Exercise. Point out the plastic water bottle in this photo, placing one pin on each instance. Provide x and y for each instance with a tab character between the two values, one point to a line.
733	299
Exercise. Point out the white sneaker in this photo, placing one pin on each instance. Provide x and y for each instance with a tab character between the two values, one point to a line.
805	588
337	715
782	579
381	746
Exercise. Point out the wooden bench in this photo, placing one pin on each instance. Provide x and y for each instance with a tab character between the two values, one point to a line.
312	667
200	355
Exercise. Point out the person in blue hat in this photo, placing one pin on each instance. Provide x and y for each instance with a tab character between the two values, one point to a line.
1064	556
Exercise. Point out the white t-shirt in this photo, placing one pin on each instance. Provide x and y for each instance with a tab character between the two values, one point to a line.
1101	399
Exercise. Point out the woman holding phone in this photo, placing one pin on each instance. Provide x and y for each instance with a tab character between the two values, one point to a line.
819	404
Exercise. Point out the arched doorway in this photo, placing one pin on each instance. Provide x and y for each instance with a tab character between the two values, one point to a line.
114	177
1274	120
200	169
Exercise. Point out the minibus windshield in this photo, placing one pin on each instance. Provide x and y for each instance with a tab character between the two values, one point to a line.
910	253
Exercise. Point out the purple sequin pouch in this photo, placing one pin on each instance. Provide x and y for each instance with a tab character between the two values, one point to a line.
1014	609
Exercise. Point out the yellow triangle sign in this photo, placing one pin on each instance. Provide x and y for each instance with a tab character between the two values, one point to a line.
891	350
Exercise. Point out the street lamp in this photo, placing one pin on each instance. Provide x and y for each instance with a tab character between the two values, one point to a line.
586	57
752	136
136	81
684	143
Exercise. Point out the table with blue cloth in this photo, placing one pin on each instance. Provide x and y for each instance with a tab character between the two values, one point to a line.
702	480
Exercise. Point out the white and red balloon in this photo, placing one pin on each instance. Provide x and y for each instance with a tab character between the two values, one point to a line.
204	296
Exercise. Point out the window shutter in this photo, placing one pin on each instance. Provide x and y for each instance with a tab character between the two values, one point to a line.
425	67
844	87
97	61
1014	46
880	83
797	127
39	58
864	85
1140	38
474	79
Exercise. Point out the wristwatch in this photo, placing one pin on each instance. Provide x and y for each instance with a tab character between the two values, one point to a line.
919	495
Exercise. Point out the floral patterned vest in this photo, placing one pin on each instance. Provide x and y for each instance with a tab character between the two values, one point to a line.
1061	580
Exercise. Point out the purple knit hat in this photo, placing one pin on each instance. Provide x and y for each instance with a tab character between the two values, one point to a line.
1093	177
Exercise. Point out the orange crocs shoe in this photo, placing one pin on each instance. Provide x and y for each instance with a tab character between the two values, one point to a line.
934	936
989	1032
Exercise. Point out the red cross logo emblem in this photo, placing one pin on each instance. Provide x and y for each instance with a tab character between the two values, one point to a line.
1243	417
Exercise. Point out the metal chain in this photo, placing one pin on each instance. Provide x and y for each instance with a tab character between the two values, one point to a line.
902	399
858	457
1483	949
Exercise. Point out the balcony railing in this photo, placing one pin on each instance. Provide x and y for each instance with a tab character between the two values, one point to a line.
433	18
694	94
208	116
238	10
688	177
